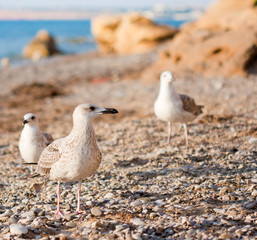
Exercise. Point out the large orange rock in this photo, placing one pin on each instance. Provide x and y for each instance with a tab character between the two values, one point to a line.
43	45
128	33
223	42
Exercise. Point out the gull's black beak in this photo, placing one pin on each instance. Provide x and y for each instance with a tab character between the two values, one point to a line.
109	111
25	121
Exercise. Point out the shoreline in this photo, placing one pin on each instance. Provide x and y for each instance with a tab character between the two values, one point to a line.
86	66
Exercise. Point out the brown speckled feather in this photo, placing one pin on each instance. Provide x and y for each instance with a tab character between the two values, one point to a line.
189	105
48	157
47	138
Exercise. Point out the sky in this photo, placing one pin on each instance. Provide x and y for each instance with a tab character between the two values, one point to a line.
65	4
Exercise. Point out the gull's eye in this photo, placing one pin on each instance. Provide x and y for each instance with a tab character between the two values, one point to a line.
33	118
92	108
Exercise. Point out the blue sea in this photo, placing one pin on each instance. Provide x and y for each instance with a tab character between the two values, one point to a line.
72	36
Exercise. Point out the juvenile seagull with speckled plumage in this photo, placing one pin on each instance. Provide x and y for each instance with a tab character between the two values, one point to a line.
32	141
75	156
172	107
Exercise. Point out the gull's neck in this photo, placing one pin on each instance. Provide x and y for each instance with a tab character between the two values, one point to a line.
32	130
167	91
83	130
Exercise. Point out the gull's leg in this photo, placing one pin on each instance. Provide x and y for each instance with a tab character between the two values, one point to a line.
78	196
169	132
58	211
185	132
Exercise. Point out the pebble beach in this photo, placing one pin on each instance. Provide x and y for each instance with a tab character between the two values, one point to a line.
144	188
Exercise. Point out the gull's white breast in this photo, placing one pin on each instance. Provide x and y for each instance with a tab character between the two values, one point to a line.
29	148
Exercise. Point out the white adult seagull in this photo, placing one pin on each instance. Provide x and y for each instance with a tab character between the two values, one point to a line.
172	107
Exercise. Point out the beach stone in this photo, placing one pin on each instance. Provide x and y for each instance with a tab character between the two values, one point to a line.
68	207
136	203
96	224
28	214
137	221
18	229
109	195
71	224
41	213
4	218
251	205
25	201
13	220
7	213
252	140
96	211
89	203
254	193
225	236
37	223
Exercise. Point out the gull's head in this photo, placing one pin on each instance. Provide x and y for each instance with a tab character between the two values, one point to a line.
167	77
30	119
90	110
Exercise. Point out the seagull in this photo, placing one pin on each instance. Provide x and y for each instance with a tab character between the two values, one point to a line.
75	156
172	107
32	141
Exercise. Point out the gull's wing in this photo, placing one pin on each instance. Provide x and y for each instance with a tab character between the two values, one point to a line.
49	156
47	138
189	105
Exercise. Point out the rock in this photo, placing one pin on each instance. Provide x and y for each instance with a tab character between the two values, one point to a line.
137	221
136	203
96	211
221	43
3	218
71	224
18	229
7	213
128	33
251	205
109	195
43	45
223	190
89	203
13	220
225	236
68	207
254	193
96	224
28	214
37	223
252	140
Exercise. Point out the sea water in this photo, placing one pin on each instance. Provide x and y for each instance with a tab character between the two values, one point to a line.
72	36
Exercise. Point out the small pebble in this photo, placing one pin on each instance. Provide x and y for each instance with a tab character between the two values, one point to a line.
71	224
13	220
18	229
109	195
96	211
137	221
